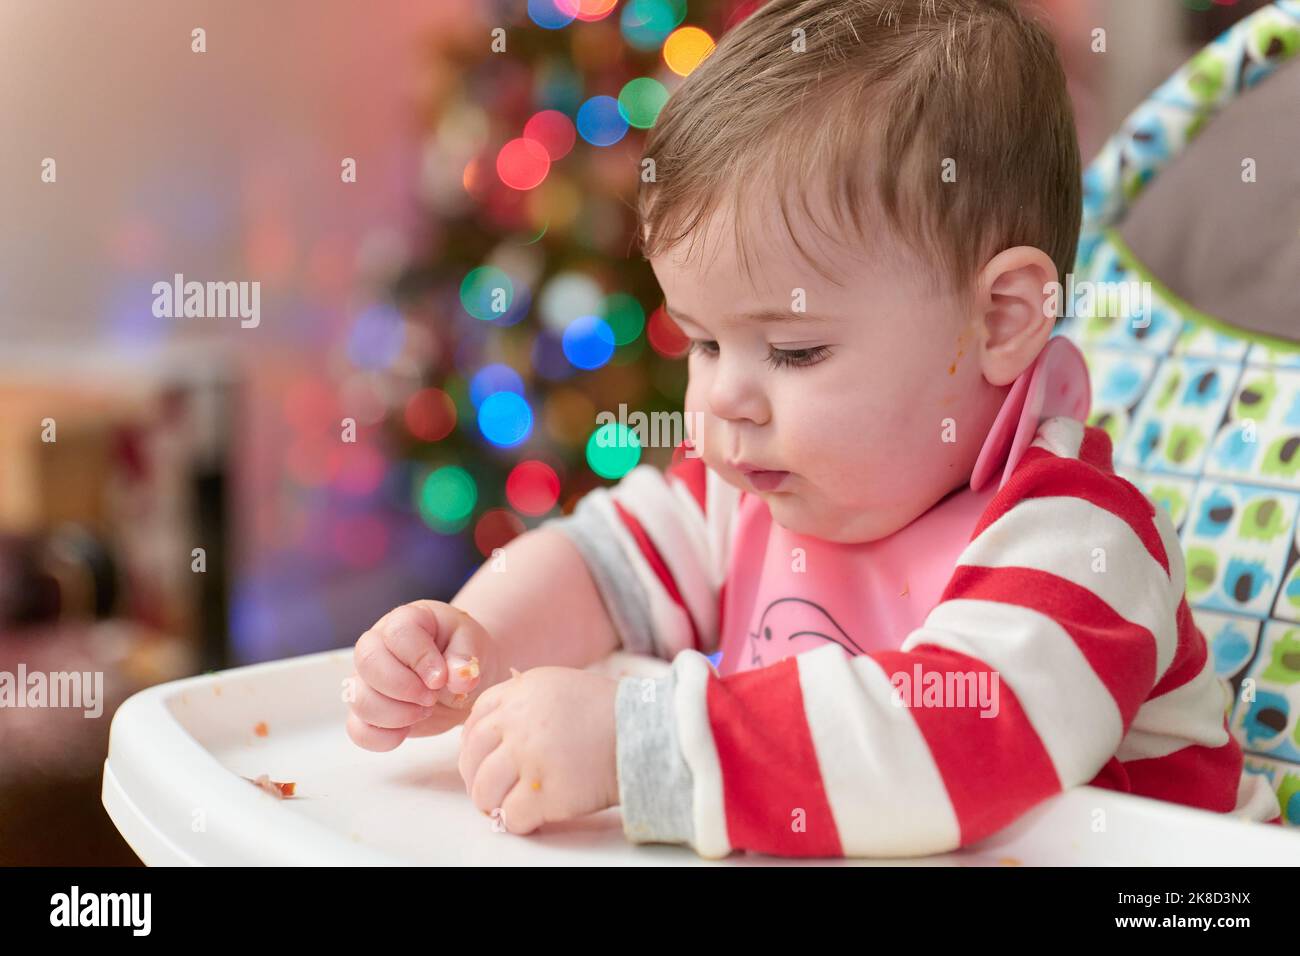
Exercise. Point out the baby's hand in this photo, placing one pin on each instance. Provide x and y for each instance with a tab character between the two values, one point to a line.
541	748
419	670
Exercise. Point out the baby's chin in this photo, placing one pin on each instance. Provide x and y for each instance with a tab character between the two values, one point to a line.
803	516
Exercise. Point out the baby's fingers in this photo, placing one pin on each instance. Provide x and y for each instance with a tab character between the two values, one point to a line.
379	710
463	677
411	633
378	739
462	652
378	667
474	748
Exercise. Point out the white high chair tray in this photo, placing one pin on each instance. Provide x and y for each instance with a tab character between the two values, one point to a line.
178	753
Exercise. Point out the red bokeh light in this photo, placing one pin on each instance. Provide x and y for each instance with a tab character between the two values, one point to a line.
554	131
533	487
430	414
523	163
495	529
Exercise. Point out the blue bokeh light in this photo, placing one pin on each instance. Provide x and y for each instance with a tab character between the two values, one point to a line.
548	15
601	122
505	419
588	342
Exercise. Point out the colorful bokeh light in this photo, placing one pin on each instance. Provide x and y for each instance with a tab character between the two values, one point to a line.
624	315
505	419
549	14
587	10
600	122
430	414
665	336
646	24
588	342
613	450
640	101
533	487
447	499
494	529
554	131
523	163
494	378
686	49
567	296
487	293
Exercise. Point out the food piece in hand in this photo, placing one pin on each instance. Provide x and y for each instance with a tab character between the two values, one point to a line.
469	671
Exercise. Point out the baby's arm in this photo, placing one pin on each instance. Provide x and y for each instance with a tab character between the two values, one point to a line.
539	603
635	566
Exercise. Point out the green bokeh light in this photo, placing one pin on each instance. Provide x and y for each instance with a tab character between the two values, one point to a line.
447	499
613	450
624	315
640	101
487	293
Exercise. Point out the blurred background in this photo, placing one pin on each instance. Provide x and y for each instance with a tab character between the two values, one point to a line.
436	202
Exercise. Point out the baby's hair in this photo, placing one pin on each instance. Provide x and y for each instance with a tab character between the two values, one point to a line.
877	99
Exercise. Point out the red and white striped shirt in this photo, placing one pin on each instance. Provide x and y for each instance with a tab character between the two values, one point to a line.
1067	599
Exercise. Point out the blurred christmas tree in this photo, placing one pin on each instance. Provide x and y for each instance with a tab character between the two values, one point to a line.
539	310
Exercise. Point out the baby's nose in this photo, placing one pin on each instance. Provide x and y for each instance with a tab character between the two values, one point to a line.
734	396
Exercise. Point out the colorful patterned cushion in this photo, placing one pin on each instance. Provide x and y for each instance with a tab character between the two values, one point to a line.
1204	415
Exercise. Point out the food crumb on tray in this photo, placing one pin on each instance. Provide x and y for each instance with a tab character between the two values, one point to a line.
274	787
261	729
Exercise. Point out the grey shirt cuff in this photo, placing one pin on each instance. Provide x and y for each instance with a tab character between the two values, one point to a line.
624	598
654	783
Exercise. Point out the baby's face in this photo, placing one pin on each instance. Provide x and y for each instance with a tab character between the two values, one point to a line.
853	397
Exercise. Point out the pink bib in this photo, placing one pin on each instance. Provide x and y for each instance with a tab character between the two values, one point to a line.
869	597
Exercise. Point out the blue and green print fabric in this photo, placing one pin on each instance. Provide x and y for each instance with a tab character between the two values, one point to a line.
1204	416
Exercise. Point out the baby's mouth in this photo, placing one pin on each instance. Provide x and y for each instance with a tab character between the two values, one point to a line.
762	479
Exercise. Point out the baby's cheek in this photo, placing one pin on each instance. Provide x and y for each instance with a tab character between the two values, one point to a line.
701	429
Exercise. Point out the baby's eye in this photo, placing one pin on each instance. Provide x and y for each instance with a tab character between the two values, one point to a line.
781	358
777	358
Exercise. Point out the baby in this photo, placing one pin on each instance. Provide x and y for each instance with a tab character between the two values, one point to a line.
935	602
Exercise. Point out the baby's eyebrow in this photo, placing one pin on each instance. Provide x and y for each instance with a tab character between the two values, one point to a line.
766	315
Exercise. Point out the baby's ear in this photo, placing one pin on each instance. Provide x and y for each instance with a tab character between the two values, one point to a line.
1016	301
